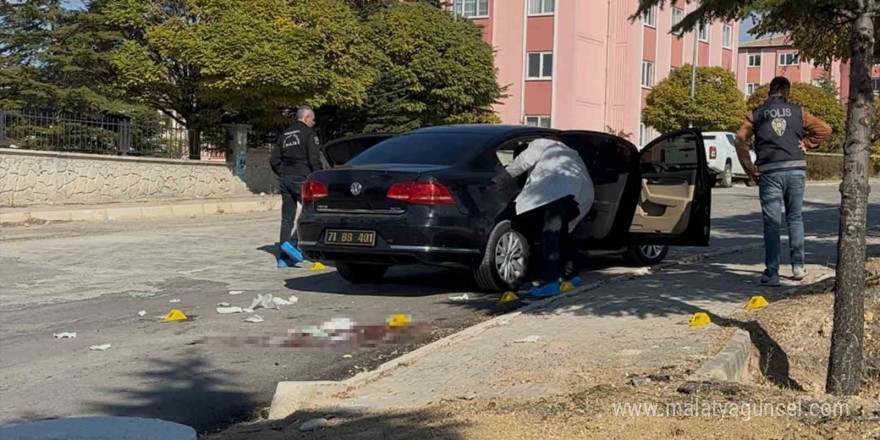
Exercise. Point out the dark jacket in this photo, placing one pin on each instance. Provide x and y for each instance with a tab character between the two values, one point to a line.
297	152
778	128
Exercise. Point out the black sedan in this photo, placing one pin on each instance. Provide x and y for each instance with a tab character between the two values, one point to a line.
431	197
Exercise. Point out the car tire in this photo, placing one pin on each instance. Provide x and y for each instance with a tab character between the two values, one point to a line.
495	274
726	177
360	273
645	255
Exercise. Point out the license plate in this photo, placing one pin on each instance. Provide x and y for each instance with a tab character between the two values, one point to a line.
350	238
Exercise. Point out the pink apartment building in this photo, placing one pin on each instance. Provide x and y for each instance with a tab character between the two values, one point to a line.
761	60
582	64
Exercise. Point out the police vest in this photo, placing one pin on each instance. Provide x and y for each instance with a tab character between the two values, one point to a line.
779	126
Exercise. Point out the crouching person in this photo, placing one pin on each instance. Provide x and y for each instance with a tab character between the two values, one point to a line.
559	185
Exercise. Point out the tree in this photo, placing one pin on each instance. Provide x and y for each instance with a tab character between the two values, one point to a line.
823	30
815	100
434	70
719	105
827	84
200	60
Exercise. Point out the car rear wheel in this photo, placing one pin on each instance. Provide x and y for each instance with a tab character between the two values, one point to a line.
359	273
506	260
646	254
726	177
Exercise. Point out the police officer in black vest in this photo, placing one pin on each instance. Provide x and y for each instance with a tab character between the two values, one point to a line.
779	130
296	155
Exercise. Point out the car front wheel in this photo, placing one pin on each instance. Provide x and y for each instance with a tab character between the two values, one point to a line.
726	177
505	261
359	273
646	254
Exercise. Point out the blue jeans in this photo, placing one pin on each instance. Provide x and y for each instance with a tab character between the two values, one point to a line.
783	187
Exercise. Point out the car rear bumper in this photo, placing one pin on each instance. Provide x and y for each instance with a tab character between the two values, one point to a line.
400	239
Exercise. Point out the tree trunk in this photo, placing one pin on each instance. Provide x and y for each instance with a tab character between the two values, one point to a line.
845	364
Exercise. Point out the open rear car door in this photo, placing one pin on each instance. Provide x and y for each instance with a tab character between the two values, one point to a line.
675	201
338	152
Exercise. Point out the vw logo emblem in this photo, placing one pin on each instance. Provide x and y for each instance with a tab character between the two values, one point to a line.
356	188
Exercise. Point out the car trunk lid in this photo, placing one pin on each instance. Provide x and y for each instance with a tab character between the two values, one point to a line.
364	189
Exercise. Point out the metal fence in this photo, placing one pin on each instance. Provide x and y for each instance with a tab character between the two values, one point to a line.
109	135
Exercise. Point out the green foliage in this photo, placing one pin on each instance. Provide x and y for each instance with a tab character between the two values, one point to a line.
434	70
829	86
818	103
719	105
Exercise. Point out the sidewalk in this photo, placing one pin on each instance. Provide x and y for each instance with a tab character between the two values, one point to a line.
141	210
586	338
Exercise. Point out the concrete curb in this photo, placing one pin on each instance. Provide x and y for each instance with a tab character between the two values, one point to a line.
164	210
731	364
294	396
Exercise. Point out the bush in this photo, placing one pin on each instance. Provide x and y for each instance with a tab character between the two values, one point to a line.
831	167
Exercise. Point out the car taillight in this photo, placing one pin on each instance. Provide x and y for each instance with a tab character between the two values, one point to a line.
313	190
713	152
421	193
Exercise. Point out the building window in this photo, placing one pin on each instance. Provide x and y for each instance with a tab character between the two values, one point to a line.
471	8
646	135
538	121
677	17
649	18
703	33
647	74
726	33
755	60
875	83
751	87
540	65
541	7
789	59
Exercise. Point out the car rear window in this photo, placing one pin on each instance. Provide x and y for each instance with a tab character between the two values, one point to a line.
422	149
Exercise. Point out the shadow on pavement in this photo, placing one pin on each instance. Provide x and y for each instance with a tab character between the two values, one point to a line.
399	425
403	281
190	391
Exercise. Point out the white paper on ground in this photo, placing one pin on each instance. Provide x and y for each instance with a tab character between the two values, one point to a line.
247	310
65	335
338	324
255	319
236	292
101	347
228	310
142	313
223	304
281	301
459	298
528	339
174	301
265	301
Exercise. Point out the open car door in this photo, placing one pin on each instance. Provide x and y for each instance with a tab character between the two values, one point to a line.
338	152
675	201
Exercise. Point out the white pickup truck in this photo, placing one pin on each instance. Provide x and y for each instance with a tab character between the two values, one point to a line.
722	159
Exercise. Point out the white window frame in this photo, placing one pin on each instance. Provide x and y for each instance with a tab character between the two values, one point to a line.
756	56
538	119
647	82
542	6
703	32
783	61
677	17
541	66
751	87
649	18
727	36
875	86
458	8
646	135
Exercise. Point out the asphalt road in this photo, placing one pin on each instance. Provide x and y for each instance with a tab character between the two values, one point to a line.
91	278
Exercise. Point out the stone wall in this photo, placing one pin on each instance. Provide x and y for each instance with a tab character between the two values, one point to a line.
260	177
40	177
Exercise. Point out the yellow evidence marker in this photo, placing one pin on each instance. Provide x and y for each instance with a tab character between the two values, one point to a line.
175	315
398	321
508	297
757	302
318	266
699	318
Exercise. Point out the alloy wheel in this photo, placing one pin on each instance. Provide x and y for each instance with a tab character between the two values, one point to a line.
510	257
651	251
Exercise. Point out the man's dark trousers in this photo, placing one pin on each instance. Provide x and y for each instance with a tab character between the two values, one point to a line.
290	187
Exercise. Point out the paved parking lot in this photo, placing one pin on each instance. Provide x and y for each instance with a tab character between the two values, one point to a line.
93	278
